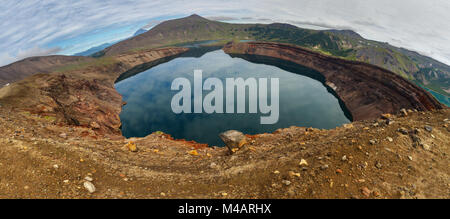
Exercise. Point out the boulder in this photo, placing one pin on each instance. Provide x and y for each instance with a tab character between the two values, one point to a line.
233	139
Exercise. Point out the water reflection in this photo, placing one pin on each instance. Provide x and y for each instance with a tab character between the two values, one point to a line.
304	100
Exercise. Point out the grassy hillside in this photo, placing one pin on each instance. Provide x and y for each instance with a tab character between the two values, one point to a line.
341	43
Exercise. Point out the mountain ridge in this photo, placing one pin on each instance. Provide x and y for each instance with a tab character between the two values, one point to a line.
341	43
346	44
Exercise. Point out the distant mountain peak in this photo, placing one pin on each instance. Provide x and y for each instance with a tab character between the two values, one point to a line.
140	31
195	16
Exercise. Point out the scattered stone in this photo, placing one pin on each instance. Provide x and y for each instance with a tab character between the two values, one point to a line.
276	172
213	165
131	146
89	186
324	167
410	158
286	182
426	147
389	121
26	187
403	112
372	142
403	131
162	194
348	126
339	171
433	136
292	174
303	162
233	139
376	194
363	165
416	140
55	166
386	116
88	178
66	181
378	165
224	194
193	152
366	192
389	139
344	158
63	135
428	128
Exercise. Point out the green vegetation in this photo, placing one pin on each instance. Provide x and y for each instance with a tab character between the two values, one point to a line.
99	62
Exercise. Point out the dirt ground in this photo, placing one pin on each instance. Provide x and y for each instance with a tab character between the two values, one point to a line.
40	158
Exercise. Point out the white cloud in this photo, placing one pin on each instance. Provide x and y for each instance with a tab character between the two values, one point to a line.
36	51
420	25
5	58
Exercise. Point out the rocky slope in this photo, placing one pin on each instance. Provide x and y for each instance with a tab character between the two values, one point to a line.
367	90
405	158
81	95
34	65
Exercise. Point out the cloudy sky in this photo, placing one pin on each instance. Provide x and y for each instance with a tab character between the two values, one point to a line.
35	27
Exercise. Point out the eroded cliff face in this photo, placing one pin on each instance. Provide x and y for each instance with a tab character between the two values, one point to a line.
366	90
84	97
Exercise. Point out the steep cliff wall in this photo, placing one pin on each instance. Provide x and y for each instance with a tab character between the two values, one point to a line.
366	90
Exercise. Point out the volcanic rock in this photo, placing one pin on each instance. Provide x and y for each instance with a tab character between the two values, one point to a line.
233	139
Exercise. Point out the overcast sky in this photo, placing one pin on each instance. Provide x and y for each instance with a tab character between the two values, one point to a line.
35	27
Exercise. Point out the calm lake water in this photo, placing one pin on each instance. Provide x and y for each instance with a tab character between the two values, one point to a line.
304	100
